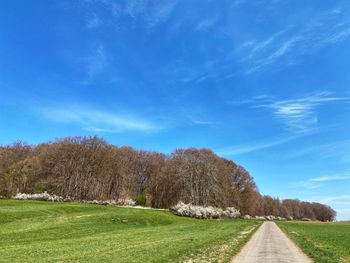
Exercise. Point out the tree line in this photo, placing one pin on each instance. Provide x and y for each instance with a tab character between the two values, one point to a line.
88	168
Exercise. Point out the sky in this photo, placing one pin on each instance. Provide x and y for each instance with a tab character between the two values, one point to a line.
264	83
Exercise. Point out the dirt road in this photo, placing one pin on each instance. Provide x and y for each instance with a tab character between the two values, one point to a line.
270	245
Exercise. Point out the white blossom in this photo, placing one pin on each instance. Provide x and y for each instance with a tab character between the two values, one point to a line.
207	212
41	196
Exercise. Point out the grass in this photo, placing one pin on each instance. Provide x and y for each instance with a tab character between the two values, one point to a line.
34	231
323	242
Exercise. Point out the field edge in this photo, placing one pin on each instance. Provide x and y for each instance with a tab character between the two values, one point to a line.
317	252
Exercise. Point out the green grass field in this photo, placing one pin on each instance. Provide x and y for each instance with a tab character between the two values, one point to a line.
34	231
323	242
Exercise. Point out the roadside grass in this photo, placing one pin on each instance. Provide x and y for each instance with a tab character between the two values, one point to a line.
35	231
323	242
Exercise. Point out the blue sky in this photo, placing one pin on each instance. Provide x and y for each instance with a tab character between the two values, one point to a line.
264	83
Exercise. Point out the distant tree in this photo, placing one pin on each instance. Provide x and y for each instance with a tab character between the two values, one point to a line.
9	156
87	168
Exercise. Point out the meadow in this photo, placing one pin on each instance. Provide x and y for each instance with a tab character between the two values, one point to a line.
38	231
323	242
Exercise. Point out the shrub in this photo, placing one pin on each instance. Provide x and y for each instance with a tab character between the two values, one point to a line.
208	212
260	218
270	217
55	198
232	212
42	197
121	202
126	202
141	200
306	219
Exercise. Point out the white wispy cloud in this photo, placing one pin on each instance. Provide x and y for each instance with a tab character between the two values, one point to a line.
330	178
258	47
95	63
325	150
99	121
205	24
160	12
241	149
321	181
306	185
286	46
297	39
204	122
283	49
93	21
145	13
300	114
333	200
135	7
179	71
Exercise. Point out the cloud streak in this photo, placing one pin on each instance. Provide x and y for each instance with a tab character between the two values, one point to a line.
341	200
300	115
242	149
321	181
94	64
93	21
330	178
283	49
334	200
144	13
204	122
338	148
296	40
99	121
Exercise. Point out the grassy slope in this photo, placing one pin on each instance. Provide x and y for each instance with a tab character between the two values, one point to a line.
60	232
324	242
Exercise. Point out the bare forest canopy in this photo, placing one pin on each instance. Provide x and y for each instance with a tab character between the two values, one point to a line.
88	168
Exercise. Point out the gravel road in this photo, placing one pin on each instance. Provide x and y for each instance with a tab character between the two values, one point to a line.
270	245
